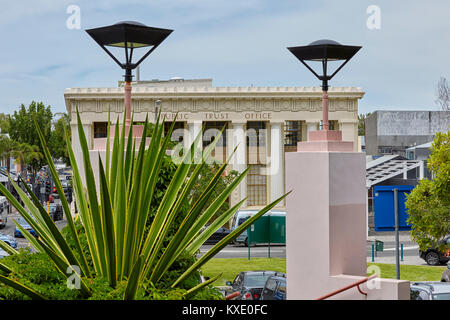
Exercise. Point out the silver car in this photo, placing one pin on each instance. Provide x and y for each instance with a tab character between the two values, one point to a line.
3	253
3	216
8	240
430	290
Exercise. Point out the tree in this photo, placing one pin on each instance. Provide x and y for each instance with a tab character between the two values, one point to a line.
206	174
23	130
429	202
4	123
57	143
443	94
22	152
362	123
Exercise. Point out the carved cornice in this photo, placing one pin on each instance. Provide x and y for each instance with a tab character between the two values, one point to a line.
214	99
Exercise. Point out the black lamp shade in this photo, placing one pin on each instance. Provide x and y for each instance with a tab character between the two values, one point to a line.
324	49
129	34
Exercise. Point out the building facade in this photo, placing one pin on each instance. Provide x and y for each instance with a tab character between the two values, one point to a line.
262	123
392	132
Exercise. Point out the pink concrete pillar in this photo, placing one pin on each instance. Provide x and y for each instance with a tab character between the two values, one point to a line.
326	222
325	110
127	103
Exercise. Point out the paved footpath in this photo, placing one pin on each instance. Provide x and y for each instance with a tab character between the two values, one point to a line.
410	249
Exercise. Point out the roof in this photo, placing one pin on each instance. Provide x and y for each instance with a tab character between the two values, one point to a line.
271	272
252	212
387	167
421	146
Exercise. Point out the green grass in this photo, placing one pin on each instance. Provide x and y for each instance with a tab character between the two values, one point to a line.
231	267
411	273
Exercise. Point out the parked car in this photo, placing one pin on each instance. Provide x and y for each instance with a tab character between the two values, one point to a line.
435	257
218	235
274	289
55	211
4	204
3	216
24	224
8	240
3	253
250	284
430	291
446	274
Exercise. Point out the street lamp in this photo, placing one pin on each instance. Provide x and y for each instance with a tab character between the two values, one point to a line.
324	51
129	35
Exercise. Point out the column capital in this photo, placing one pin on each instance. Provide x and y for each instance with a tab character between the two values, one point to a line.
276	121
192	121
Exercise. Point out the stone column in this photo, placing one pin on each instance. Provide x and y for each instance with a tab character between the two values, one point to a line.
349	130
276	169
194	128
239	159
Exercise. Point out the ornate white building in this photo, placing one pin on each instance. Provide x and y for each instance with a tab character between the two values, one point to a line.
263	122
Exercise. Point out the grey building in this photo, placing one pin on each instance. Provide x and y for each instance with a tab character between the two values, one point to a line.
392	132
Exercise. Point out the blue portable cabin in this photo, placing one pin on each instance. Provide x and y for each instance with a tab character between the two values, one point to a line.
384	207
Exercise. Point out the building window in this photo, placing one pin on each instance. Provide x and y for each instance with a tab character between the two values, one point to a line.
257	159
257	185
332	125
210	132
292	135
384	150
178	130
256	142
100	129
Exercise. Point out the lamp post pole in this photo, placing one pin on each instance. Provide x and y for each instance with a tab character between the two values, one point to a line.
325	109
157	108
324	78
128	99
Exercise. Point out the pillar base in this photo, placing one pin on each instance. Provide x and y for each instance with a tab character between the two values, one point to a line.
325	135
325	140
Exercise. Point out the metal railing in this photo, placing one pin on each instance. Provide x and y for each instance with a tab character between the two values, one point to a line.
356	284
233	295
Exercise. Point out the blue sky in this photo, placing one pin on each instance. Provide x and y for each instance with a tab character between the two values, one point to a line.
237	43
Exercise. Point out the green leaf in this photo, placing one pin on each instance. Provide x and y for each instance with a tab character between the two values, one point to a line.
64	201
133	281
22	288
108	227
191	292
8	248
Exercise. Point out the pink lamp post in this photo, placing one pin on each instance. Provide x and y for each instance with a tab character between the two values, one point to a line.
324	51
